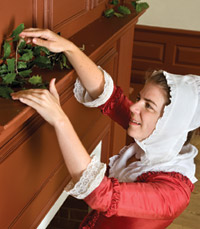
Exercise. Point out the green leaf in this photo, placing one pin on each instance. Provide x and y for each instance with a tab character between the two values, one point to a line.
35	80
109	13
5	92
118	15
22	44
11	64
21	65
114	2
7	49
141	6
17	31
38	49
43	62
45	50
25	73
9	78
124	10
28	55
3	69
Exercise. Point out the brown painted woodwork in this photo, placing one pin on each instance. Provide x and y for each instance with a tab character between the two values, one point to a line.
173	50
32	170
67	17
64	16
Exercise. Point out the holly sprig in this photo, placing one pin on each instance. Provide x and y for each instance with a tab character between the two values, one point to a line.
116	8
18	60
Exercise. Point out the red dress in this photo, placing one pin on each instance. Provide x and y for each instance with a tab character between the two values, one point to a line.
153	201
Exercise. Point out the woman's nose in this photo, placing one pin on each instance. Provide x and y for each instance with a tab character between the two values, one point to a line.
135	108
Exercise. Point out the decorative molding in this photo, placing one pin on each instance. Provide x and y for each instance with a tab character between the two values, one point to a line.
189	56
149	51
73	12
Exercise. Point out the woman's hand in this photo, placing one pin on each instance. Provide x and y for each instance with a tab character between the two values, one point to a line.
47	38
90	75
45	102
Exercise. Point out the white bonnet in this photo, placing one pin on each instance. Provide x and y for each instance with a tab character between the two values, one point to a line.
180	116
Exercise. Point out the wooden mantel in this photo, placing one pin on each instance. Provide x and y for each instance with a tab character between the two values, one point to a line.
32	170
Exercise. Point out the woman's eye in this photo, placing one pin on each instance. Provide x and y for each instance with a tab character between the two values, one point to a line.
148	106
137	99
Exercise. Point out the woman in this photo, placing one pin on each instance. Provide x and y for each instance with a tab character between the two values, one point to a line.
149	183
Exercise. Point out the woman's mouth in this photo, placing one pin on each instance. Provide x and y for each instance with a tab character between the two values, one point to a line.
134	122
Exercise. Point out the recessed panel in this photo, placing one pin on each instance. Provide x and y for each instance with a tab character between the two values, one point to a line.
187	56
64	10
149	51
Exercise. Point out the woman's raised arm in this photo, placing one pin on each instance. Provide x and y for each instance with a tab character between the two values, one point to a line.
90	75
46	103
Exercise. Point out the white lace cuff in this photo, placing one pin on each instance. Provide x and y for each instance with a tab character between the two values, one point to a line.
83	96
89	181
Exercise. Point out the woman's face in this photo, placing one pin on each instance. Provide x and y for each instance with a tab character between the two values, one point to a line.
146	111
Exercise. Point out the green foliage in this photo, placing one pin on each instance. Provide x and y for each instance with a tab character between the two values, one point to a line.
3	69
21	65
9	78
35	80
27	55
25	73
139	6
43	62
6	49
114	2
16	32
124	10
109	12
5	92
11	64
118	14
18	60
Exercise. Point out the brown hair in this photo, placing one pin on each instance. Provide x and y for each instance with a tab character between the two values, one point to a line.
158	78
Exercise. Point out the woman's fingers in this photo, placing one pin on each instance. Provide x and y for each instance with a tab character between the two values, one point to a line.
44	43
35	32
45	38
53	90
43	101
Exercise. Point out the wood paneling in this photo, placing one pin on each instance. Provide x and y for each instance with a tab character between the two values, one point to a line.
153	51
189	56
26	13
67	17
61	12
173	50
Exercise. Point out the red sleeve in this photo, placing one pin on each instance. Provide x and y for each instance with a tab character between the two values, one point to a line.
158	196
117	107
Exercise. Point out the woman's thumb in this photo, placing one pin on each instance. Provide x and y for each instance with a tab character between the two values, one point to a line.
52	88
